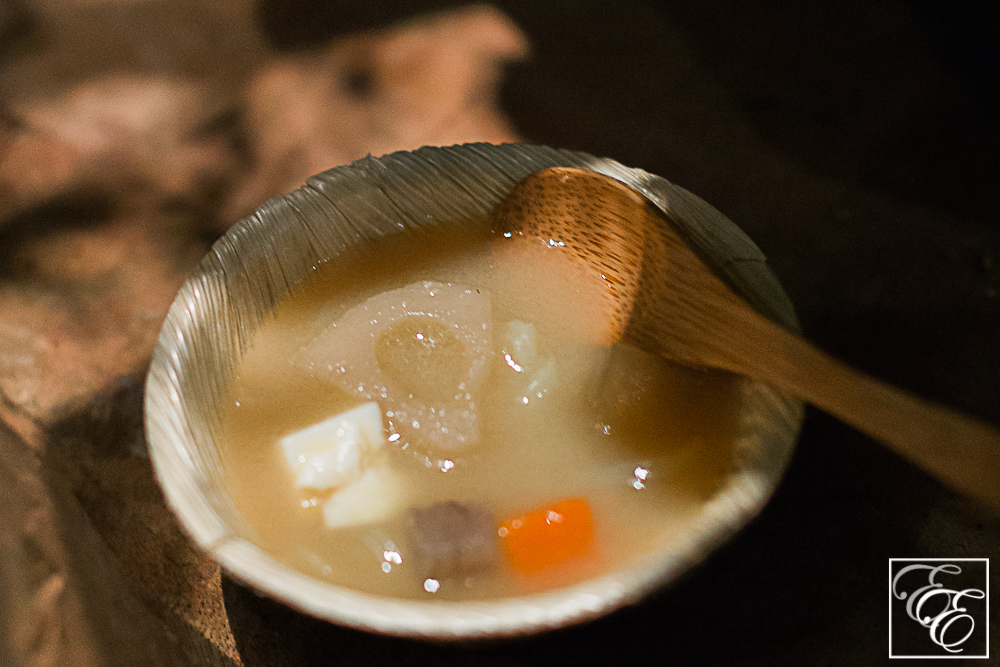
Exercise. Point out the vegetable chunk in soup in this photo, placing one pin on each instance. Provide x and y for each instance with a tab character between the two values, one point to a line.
420	351
447	415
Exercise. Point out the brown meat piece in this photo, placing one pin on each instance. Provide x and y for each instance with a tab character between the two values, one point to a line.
453	539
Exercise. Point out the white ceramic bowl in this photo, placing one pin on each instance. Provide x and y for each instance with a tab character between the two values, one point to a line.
263	257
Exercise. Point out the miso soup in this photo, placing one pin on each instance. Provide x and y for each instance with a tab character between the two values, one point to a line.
446	416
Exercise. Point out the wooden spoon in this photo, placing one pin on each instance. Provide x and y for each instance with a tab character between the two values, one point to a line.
668	301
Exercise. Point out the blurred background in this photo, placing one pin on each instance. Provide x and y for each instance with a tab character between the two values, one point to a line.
858	143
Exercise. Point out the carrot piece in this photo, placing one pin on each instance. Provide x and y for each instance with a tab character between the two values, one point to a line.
548	535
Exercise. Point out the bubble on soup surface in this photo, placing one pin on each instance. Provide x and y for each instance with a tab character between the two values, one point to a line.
421	351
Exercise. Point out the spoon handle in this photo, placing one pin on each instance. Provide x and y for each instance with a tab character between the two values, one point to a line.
961	451
699	320
670	302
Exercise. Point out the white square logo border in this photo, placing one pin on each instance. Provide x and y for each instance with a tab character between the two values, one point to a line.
952	612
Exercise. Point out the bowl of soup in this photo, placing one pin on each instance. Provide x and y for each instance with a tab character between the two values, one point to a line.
372	404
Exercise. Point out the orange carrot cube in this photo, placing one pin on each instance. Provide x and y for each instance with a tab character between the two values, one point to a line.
547	536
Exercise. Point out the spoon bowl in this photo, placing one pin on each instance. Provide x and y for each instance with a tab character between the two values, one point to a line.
669	301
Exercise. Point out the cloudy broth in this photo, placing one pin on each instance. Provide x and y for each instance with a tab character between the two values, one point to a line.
644	442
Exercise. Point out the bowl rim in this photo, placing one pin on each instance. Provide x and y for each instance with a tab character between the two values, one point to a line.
218	307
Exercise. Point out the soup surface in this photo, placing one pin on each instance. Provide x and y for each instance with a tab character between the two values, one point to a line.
444	416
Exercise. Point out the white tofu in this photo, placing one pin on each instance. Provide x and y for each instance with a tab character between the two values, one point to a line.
541	382
534	376
374	497
521	344
330	454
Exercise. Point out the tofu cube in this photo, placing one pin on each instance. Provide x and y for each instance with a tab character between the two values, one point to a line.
375	496
520	344
330	454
